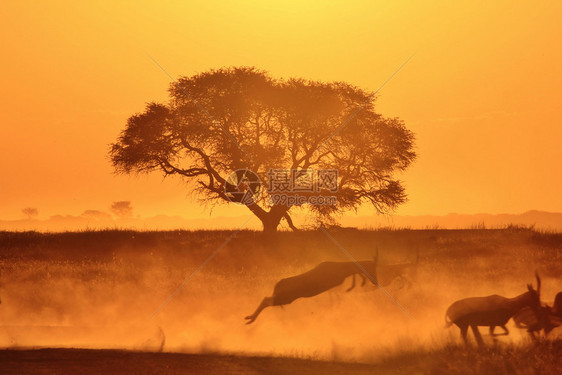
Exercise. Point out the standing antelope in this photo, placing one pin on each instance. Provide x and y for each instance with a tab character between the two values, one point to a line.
551	318
491	311
404	272
321	278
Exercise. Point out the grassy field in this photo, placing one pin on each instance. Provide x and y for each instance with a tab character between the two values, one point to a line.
544	358
111	289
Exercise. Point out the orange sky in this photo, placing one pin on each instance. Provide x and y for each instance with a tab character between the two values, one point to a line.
482	92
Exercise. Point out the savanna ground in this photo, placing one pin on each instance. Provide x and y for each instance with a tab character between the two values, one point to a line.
102	294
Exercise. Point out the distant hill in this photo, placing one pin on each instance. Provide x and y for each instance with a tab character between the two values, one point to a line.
101	220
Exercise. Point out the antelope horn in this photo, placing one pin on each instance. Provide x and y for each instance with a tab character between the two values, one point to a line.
538	282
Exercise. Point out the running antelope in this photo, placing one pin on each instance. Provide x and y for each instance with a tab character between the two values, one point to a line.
551	318
321	278
491	311
386	274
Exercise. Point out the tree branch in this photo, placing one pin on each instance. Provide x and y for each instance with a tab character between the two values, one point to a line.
290	222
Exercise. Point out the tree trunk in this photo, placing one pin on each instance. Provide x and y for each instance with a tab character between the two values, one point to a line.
270	224
270	219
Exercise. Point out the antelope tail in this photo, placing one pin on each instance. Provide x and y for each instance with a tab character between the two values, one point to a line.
448	322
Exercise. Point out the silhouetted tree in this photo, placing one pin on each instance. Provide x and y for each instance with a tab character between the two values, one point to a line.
30	212
122	209
241	118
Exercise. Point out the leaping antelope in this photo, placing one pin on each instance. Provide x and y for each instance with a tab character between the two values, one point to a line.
551	318
491	311
321	278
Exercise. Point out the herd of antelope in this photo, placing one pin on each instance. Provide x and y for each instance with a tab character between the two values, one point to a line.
492	311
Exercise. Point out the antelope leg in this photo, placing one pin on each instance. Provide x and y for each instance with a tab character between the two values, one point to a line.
464	331
352	283
364	279
505	331
477	335
266	302
547	323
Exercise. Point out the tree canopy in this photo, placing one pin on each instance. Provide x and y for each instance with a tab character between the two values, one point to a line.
241	118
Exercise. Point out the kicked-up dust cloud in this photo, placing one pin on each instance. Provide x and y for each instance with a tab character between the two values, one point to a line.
120	290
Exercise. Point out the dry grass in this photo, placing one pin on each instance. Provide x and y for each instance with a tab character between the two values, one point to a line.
99	289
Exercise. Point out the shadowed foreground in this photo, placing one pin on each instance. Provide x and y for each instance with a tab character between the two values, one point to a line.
86	361
543	358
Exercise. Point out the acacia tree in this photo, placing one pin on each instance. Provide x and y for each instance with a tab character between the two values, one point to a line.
230	119
30	212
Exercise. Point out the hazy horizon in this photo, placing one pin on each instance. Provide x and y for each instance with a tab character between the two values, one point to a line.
100	220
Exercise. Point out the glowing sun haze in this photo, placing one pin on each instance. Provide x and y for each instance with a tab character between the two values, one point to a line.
482	92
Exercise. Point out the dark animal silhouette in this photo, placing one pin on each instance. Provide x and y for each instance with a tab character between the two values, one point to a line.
550	318
490	311
321	278
403	272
